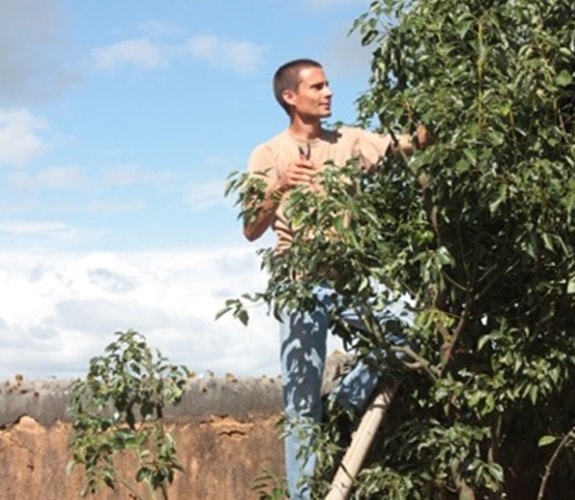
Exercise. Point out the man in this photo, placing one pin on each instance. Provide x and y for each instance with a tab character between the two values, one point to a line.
294	158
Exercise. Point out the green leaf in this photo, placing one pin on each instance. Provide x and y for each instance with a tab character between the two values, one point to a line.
546	440
243	316
564	78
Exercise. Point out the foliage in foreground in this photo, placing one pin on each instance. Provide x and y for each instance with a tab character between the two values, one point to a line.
270	486
487	252
117	413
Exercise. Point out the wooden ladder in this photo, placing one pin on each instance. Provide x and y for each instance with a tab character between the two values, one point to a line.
360	443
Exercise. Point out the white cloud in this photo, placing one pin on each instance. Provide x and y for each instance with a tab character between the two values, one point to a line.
236	55
139	52
58	311
152	51
42	235
59	176
158	28
346	56
126	174
20	140
35	56
38	228
106	206
207	194
94	180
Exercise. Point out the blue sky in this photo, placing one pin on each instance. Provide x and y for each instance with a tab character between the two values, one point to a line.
119	123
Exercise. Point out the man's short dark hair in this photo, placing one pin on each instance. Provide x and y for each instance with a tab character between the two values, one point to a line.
287	77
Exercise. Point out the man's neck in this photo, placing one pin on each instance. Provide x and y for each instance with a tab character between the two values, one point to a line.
305	130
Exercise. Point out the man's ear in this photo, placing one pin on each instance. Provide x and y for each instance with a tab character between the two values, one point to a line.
289	97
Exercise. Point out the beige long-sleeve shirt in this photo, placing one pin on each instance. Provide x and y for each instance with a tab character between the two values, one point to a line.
270	159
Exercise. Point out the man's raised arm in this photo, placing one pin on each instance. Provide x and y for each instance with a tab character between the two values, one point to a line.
260	211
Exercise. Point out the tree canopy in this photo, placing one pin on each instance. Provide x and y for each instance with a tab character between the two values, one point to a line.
486	248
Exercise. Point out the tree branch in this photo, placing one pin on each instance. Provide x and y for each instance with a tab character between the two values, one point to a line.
419	363
570	436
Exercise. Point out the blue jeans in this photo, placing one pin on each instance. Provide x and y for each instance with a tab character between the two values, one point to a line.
303	354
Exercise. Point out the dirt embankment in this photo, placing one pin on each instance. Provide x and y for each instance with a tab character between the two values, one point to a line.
225	431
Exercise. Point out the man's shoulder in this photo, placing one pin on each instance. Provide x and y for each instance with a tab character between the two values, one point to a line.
273	142
348	129
344	134
267	153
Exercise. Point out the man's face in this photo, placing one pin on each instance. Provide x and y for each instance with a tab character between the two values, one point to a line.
312	98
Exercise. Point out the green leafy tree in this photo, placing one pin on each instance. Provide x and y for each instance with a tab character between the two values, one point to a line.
117	413
486	406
